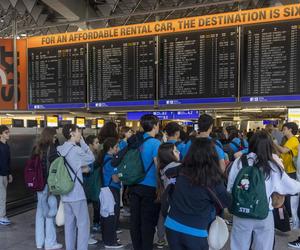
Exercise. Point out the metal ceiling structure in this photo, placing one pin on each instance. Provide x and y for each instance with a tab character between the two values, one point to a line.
42	17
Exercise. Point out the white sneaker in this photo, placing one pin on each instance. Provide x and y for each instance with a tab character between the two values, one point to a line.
56	246
119	231
5	221
92	241
114	246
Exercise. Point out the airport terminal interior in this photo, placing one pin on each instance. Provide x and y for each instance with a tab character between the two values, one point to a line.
91	62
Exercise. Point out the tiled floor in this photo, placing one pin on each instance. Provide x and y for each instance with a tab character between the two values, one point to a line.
20	235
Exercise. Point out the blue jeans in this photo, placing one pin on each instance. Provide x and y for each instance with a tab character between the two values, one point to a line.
45	231
77	225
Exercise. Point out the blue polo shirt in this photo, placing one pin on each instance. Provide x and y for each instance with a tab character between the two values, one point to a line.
238	142
180	147
108	172
123	144
218	148
149	151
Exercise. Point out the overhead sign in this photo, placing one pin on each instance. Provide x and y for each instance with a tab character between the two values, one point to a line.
165	115
7	97
244	17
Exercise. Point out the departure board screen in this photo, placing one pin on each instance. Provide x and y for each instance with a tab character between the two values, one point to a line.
271	62
198	67
122	73
57	77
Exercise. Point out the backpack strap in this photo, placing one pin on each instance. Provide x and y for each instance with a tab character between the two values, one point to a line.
146	139
215	197
152	162
235	144
70	168
244	160
243	143
217	144
104	163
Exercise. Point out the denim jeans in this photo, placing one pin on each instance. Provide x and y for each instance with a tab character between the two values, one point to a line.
3	186
45	231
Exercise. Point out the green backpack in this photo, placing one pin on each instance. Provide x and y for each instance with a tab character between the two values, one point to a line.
59	179
130	165
249	198
93	183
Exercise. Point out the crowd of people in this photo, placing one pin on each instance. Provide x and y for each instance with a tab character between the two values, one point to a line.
187	181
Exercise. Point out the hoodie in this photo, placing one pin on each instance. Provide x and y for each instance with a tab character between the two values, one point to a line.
76	156
277	182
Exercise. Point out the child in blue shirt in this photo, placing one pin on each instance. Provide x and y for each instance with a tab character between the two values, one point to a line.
173	134
237	144
125	134
143	206
205	126
111	180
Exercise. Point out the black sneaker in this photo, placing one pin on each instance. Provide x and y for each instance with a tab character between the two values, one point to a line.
114	246
295	244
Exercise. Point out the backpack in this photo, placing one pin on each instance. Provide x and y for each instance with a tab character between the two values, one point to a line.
249	198
59	180
33	174
230	152
129	162
93	183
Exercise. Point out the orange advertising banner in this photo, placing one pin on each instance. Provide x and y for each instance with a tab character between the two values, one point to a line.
6	75
244	17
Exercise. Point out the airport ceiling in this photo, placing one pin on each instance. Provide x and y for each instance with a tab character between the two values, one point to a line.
42	17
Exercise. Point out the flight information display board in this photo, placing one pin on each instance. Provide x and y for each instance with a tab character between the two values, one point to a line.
57	77
271	63
198	67
122	73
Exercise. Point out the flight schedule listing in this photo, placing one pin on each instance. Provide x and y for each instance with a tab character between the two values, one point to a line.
198	65
57	75
271	61
122	72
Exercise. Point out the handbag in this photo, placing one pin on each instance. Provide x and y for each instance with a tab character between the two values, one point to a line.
277	200
282	219
218	233
60	216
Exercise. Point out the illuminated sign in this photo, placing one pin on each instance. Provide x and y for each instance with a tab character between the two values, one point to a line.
52	121
100	123
80	122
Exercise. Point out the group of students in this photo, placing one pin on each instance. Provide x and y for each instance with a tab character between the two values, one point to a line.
190	173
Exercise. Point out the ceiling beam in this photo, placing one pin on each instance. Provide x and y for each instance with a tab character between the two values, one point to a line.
140	13
72	10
